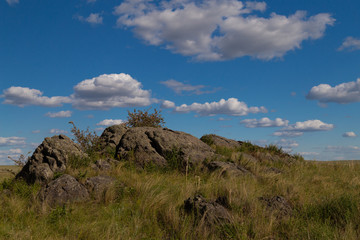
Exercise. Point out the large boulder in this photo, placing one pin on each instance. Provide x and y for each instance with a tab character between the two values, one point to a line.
51	156
65	189
212	139
111	136
147	145
97	186
208	213
228	169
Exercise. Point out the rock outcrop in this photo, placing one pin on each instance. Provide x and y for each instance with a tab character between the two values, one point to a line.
277	205
146	145
212	139
50	157
228	169
65	189
206	212
111	136
97	186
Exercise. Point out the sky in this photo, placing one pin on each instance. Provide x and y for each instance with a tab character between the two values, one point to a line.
270	72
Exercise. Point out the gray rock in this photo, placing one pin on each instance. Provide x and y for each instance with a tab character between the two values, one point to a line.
209	213
111	137
228	168
50	157
65	189
212	139
278	205
146	145
97	186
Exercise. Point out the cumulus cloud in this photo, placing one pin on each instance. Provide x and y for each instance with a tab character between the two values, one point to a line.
23	96
289	134
57	131
286	144
35	131
61	114
342	149
343	93
93	18
9	153
110	90
180	87
298	129
12	2
309	126
350	44
11	141
214	30
167	104
349	135
232	107
264	122
110	122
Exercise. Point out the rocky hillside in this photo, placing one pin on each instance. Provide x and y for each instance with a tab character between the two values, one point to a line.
157	183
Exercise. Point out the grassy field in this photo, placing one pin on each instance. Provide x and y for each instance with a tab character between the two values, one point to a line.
148	204
8	171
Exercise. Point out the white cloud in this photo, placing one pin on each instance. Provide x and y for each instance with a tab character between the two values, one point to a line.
180	87
215	30
298	129
35	131
343	93
93	18
290	134
349	134
61	114
23	96
57	131
232	107
342	149
110	122
12	2
309	154
264	122
9	153
110	90
286	144
11	141
167	104
350	44
309	126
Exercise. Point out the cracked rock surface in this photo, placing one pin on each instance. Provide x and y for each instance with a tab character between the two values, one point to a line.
51	156
154	145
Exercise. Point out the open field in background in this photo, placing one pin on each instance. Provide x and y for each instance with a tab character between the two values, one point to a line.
4	173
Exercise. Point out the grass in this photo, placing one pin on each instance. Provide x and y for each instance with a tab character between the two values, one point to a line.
8	171
146	204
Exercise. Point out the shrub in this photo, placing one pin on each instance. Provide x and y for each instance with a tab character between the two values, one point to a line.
140	118
88	140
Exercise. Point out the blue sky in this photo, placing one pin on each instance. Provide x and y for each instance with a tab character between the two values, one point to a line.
270	72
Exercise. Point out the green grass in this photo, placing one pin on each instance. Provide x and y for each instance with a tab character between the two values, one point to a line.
148	205
8	171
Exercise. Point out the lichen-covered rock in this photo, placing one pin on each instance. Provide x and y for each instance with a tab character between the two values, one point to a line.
228	168
209	213
212	139
111	137
65	189
51	156
277	205
98	185
147	145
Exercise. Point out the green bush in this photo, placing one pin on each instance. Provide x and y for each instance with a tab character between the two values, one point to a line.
140	118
